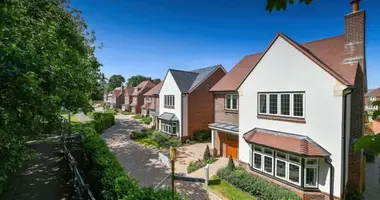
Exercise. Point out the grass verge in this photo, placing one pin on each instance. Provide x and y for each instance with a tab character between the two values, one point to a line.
226	191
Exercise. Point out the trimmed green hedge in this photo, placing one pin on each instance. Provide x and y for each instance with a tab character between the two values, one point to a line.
105	174
255	185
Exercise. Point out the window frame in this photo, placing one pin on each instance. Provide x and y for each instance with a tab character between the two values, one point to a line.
372	98
311	166
169	101
231	102
279	102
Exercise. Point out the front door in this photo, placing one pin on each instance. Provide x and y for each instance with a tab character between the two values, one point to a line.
232	144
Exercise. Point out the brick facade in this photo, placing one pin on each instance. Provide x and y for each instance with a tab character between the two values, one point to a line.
220	114
200	104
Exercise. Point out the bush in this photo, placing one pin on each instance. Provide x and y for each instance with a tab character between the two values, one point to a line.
355	195
231	164
146	120
140	134
201	136
195	165
207	154
110	110
137	116
256	186
156	139
102	121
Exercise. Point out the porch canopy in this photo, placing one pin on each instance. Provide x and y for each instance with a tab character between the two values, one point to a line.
232	128
168	117
288	142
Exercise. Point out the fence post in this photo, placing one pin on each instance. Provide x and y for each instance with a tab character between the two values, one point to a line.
207	173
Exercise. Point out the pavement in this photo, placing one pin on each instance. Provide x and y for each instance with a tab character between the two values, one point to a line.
142	163
372	180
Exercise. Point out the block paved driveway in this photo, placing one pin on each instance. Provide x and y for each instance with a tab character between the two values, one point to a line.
142	163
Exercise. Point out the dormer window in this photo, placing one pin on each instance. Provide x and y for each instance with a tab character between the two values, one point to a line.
231	102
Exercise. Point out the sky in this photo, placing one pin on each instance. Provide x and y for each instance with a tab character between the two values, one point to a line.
148	37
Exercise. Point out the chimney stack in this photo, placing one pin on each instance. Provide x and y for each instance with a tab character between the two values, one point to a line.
355	5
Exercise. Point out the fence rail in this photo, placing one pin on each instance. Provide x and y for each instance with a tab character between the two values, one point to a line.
81	187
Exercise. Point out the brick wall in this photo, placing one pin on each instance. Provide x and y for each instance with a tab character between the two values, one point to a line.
220	114
200	106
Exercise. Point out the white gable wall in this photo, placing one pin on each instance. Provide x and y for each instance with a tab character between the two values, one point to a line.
169	87
282	69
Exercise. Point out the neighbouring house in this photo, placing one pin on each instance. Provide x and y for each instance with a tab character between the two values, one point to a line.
371	96
117	98
186	105
127	98
138	95
292	113
108	99
151	104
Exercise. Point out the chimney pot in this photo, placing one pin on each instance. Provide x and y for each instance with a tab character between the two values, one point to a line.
355	5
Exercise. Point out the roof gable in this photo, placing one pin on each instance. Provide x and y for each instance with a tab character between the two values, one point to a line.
140	88
155	90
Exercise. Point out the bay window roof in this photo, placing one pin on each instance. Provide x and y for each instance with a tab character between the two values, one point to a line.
168	117
293	143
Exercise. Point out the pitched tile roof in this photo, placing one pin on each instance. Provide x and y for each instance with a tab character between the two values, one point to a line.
329	53
155	90
189	80
168	117
139	88
293	143
373	93
117	91
147	105
128	91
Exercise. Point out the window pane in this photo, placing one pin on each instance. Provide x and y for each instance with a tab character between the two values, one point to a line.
281	155
263	103
294	173
268	163
268	151
311	161
311	177
228	101
285	104
257	160
257	148
294	158
280	168
298	105
273	103
234	101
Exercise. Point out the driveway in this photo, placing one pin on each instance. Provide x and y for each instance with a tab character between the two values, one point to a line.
142	163
372	180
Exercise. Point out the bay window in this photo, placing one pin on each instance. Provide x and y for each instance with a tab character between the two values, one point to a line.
284	166
231	102
169	127
286	104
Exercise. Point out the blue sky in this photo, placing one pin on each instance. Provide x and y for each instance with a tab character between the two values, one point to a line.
147	37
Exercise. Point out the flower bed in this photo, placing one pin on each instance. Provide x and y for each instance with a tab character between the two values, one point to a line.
195	165
155	139
255	185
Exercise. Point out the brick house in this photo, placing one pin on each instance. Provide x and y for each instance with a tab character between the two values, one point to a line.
371	96
127	98
292	129
138	95
151	104
117	98
186	105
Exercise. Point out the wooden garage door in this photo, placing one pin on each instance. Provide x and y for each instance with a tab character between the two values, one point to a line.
232	146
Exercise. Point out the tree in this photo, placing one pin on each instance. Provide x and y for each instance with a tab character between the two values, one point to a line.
156	81
137	79
282	4
115	81
207	154
231	164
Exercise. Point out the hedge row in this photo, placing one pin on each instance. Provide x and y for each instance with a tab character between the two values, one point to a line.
102	121
106	175
256	186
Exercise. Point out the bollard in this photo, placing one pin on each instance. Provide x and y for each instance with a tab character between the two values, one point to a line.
206	174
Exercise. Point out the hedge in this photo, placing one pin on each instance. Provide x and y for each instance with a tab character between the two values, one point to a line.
256	186
105	174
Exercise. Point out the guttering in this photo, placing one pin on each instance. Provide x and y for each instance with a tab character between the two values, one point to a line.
328	161
349	90
181	125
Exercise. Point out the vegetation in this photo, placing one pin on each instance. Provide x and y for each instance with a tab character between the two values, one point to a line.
114	82
255	185
231	164
282	4
207	154
137	79
125	112
195	165
105	174
226	190
47	63
199	136
143	119
155	139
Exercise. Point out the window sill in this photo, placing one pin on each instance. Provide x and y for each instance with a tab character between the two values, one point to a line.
231	111
170	107
281	118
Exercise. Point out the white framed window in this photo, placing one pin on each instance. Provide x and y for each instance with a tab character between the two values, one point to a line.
169	100
372	98
288	104
263	159
231	102
311	172
169	128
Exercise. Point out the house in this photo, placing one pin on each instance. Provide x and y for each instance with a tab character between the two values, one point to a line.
186	105
292	113
127	98
137	95
371	96
109	99
117	98
151	104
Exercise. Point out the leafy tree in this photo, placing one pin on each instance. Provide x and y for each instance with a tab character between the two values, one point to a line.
115	81
282	4
156	81
137	79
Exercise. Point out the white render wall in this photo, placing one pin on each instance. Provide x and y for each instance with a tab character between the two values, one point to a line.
185	118
169	87
283	69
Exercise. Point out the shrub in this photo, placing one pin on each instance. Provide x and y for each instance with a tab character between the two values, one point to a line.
256	186
207	154
146	120
140	134
110	110
355	195
102	121
195	165
137	116
201	136
231	164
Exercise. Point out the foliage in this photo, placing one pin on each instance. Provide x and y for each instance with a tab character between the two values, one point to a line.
231	164
155	139
115	81
110	110
156	81
140	134
255	185
146	120
195	165
282	4
102	121
370	142
125	113
201	136
150	142
207	154
137	116
106	176
137	79
223	188
356	195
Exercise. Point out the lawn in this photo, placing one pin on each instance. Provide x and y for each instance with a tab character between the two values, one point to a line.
145	120
225	190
